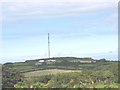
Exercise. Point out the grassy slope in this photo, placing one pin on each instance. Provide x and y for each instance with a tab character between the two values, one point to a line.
33	70
27	67
103	86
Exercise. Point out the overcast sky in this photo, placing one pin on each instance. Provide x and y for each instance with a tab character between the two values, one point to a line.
81	29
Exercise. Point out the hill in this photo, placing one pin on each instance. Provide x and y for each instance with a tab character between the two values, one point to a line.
63	72
69	63
61	59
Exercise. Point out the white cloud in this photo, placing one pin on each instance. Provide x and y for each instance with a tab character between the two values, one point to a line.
59	1
0	13
52	8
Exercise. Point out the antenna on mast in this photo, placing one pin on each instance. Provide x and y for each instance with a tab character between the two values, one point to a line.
48	46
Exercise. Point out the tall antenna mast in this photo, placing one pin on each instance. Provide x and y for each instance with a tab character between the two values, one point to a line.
48	46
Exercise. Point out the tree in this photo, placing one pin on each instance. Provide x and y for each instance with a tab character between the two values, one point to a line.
10	76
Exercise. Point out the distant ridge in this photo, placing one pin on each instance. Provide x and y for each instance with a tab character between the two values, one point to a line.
62	58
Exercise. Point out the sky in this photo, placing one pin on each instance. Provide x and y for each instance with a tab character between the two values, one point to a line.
77	28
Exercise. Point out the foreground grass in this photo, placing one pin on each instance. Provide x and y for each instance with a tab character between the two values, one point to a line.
107	86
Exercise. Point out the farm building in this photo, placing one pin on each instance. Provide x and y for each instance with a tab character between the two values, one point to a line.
87	61
40	62
50	61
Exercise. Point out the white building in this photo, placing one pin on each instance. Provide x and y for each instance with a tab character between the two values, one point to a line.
85	61
41	61
51	60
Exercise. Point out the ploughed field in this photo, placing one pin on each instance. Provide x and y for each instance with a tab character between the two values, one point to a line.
47	72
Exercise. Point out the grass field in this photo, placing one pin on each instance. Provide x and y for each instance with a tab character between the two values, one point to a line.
104	86
24	68
47	72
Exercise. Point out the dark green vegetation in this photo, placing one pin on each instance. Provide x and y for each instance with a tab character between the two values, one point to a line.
0	76
10	76
86	79
64	72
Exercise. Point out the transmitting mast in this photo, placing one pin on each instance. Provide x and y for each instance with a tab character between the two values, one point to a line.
48	46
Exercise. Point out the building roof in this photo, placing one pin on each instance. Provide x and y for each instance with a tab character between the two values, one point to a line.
41	60
51	60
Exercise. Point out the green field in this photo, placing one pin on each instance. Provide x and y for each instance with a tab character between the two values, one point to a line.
25	68
115	85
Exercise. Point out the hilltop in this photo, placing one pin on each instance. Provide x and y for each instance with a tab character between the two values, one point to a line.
69	63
